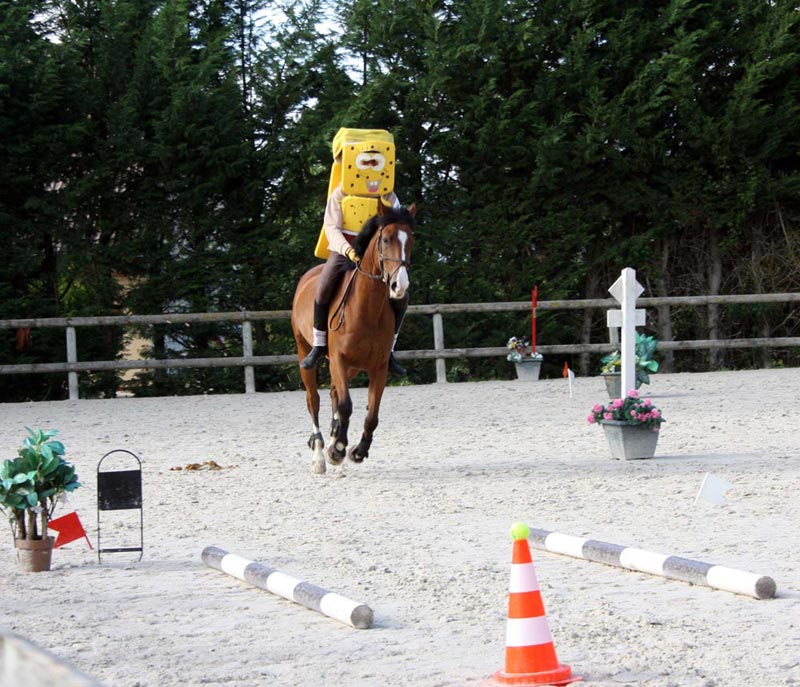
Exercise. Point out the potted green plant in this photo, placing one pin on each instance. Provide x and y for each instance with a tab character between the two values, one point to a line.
611	365
528	364
30	487
631	425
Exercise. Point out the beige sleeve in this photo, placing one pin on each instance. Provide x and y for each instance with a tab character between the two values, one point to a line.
332	223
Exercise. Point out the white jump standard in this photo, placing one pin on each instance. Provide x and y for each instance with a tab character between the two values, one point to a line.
304	593
673	567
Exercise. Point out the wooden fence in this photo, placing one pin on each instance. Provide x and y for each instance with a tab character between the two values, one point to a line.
439	353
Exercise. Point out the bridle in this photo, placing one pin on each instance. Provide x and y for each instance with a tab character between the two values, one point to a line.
384	276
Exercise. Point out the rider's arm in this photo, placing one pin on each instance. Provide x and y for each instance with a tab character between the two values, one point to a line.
332	223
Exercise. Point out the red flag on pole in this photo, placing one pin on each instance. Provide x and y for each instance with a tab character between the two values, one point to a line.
69	529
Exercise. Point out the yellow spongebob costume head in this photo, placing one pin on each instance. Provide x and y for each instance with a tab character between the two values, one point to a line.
363	165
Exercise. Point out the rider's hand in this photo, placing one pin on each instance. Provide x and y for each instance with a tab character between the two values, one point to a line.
351	253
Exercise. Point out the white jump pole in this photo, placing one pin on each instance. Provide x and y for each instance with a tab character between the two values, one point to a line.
304	593
673	567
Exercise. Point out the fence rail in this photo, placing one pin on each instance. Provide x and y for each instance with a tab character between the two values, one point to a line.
439	353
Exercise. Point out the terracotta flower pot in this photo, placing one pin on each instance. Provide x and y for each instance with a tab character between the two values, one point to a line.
34	555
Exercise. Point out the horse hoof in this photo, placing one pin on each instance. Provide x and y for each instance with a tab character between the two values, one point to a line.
355	456
318	467
335	457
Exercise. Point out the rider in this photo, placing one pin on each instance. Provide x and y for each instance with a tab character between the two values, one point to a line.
364	165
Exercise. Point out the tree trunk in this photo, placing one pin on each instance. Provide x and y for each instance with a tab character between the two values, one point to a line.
592	282
757	273
714	282
664	312
31	526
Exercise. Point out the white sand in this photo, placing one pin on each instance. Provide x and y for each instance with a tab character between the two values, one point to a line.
419	533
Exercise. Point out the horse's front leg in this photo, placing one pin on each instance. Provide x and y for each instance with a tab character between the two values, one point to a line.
342	407
377	383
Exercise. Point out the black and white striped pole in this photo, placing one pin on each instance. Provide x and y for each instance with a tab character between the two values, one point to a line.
291	588
673	567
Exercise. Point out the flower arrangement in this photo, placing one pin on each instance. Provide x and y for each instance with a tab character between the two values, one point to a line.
519	349
631	410
643	360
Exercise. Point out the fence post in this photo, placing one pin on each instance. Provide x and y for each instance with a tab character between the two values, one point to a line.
247	349
72	357
438	344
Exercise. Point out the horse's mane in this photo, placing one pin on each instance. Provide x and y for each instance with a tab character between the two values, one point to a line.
391	216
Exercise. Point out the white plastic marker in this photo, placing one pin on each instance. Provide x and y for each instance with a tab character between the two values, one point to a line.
673	567
304	593
713	490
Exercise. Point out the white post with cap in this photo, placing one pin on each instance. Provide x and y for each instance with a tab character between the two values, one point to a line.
625	291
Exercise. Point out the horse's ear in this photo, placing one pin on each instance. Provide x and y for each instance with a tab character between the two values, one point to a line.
382	208
412	210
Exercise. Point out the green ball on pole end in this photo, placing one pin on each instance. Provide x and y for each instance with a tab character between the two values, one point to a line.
519	530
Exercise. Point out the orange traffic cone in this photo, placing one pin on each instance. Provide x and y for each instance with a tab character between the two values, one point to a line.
530	654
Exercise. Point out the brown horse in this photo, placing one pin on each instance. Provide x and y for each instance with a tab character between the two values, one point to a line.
360	329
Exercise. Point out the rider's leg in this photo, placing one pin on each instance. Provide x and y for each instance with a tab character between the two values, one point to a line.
399	307
327	281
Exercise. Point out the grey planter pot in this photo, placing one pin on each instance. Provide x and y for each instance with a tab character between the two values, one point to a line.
614	384
528	369
629	442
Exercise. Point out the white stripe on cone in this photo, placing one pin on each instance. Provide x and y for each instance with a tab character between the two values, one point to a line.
523	578
528	631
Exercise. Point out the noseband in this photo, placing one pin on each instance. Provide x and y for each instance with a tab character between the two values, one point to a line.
385	276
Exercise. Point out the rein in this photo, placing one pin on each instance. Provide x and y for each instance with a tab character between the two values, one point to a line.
383	276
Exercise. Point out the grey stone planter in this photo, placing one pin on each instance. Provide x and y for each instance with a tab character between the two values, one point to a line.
528	369
629	442
614	384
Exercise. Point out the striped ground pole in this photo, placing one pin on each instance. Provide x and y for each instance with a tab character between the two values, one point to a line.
673	567
304	593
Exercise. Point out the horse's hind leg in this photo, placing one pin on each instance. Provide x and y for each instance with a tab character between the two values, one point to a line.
315	442
377	383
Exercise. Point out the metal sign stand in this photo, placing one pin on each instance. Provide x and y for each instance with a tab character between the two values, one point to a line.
119	490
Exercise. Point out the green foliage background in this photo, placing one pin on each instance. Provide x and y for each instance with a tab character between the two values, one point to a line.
173	155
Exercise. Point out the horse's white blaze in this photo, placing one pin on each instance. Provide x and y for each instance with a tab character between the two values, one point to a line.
401	282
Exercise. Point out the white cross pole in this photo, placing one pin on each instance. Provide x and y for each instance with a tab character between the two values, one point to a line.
625	291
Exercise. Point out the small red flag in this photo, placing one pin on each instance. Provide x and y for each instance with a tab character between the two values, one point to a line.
69	529
565	371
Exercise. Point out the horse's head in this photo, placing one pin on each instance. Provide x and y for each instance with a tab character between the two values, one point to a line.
389	238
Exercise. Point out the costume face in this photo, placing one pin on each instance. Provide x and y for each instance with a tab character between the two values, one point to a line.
368	168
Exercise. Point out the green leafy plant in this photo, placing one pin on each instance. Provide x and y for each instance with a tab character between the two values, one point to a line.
631	410
31	483
643	359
